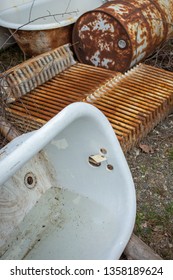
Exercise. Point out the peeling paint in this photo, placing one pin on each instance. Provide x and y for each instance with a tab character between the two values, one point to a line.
84	28
141	25
103	26
105	62
95	59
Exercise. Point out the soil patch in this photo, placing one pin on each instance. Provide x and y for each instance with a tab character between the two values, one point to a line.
151	164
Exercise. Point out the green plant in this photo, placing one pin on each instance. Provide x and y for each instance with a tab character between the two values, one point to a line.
170	154
169	210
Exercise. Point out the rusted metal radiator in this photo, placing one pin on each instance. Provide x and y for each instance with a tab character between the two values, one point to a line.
34	109
134	103
25	77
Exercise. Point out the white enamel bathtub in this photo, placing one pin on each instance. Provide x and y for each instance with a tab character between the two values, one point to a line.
43	14
58	204
43	24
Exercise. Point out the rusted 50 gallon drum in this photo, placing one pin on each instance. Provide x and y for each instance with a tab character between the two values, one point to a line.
120	33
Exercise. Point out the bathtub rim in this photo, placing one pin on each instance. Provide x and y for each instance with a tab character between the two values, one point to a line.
37	27
66	20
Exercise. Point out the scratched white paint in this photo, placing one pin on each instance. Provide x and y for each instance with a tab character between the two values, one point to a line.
95	59
158	28
105	46
138	58
85	28
155	21
105	62
119	8
82	31
102	24
140	38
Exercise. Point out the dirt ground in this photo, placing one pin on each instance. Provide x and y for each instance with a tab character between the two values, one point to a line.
151	164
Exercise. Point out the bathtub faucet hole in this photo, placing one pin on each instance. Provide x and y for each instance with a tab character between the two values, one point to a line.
103	151
110	167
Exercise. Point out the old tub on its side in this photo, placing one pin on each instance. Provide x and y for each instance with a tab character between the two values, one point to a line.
66	190
39	26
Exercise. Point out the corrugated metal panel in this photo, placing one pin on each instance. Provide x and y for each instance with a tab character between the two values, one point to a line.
26	76
136	102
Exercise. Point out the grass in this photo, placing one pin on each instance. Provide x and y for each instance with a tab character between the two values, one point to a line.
170	154
169	211
10	57
154	218
145	219
151	225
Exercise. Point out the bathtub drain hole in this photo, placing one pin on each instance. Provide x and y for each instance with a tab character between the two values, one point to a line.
30	180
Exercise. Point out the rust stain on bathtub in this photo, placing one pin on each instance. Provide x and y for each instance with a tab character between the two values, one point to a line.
34	42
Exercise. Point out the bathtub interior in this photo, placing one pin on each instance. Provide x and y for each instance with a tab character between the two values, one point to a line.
43	14
88	212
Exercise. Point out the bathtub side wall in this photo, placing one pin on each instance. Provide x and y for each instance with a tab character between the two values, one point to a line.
11	3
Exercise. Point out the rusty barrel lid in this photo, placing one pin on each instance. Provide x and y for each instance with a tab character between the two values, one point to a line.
100	39
120	33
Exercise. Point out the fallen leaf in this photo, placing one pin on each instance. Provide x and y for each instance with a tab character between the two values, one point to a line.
146	148
158	228
144	225
137	152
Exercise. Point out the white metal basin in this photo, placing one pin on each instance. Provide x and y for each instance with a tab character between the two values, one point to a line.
43	14
57	203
